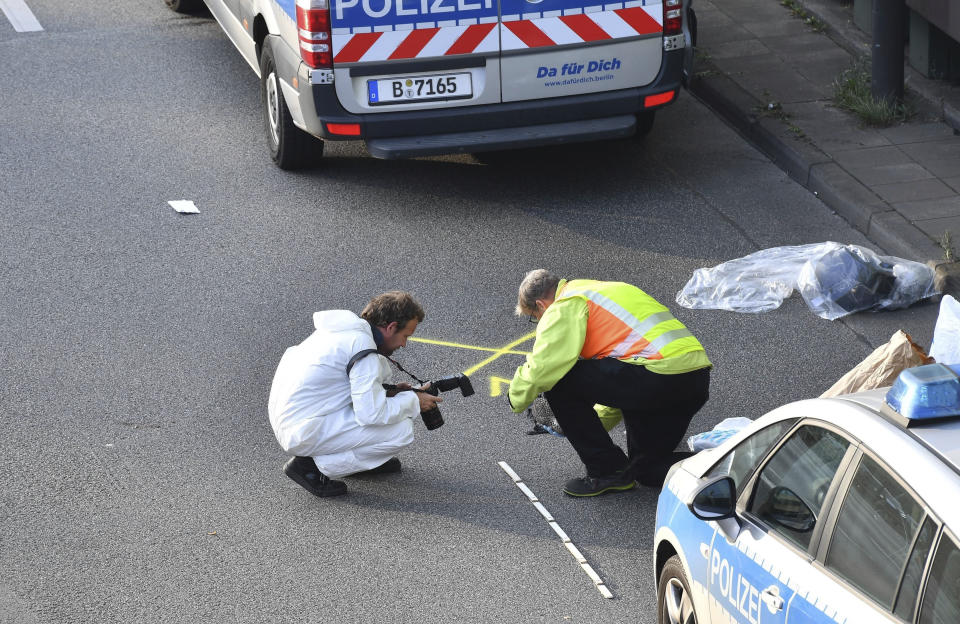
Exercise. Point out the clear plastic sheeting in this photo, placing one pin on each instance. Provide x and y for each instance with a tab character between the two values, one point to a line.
726	429
946	335
834	279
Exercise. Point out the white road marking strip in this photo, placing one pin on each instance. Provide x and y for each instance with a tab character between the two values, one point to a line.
556	529
507	469
20	16
543	511
523	488
592	574
564	538
576	553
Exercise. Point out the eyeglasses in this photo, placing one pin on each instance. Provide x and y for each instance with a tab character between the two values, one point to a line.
532	319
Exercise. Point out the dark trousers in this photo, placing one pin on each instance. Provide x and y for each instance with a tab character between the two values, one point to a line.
656	412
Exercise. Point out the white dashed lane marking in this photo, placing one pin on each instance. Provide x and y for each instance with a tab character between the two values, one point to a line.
564	538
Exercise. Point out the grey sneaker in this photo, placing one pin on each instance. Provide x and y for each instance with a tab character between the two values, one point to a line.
594	486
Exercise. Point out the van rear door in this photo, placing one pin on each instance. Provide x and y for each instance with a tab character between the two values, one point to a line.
553	48
394	55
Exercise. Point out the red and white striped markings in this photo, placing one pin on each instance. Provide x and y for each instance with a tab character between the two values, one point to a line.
594	24
418	43
590	25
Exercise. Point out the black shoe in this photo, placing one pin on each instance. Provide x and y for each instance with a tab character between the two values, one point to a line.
594	486
387	467
304	471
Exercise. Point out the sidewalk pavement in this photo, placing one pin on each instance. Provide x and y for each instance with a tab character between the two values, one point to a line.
770	75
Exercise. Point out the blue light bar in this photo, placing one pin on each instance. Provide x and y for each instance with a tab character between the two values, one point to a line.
925	392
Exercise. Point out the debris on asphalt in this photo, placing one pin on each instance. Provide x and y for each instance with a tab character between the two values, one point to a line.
184	206
542	418
834	280
881	368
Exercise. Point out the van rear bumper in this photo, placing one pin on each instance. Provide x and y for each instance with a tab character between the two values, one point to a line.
530	115
503	138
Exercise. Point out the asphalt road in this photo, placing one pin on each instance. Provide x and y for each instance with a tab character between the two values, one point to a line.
139	477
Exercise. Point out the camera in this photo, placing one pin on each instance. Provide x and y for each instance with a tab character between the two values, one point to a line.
432	418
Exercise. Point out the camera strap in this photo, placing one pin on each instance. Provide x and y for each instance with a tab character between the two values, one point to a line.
357	357
397	364
362	354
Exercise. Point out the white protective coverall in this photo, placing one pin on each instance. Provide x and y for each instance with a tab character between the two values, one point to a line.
346	425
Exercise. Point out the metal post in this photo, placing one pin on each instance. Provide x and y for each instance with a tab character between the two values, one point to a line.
888	24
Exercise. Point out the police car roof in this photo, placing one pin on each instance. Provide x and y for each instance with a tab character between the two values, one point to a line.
941	436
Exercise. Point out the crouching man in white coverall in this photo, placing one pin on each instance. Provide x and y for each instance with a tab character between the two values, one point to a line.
328	406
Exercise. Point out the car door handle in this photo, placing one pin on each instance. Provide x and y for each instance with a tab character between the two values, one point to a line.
771	597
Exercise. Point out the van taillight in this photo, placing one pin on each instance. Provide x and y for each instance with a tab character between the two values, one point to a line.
672	17
313	24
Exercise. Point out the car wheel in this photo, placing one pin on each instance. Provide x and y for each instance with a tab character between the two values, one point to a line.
645	123
674	601
290	147
185	6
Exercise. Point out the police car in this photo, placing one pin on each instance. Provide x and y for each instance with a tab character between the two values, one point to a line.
422	77
827	510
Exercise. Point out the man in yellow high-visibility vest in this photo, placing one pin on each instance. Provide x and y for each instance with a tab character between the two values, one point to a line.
613	346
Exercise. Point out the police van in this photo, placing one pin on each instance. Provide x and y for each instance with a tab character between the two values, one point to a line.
424	77
827	510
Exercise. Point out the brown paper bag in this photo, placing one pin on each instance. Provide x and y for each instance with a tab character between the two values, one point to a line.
881	367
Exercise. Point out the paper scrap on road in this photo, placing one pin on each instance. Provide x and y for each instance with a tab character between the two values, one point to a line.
184	206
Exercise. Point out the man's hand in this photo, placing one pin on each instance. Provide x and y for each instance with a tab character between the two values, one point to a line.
427	401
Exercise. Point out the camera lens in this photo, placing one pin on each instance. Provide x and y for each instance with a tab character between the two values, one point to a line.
432	418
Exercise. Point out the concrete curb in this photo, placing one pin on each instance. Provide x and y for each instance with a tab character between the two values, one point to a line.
813	169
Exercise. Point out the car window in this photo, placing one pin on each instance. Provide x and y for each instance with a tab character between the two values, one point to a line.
941	600
910	586
740	463
875	530
793	484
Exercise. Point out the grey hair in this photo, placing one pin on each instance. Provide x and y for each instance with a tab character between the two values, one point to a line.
537	284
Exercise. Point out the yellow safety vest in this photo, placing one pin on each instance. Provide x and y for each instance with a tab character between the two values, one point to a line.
628	324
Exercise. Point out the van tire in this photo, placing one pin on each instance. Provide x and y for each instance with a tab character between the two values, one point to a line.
186	6
290	147
645	123
674	600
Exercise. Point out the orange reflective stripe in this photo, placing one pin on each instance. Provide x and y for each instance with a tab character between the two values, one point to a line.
614	331
604	330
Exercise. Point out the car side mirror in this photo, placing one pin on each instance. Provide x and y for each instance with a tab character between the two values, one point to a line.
784	507
715	500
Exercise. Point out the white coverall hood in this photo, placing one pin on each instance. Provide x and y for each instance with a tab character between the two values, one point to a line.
341	320
347	424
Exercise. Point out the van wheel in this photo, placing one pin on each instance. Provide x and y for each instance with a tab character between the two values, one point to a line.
645	123
290	147
674	602
186	6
